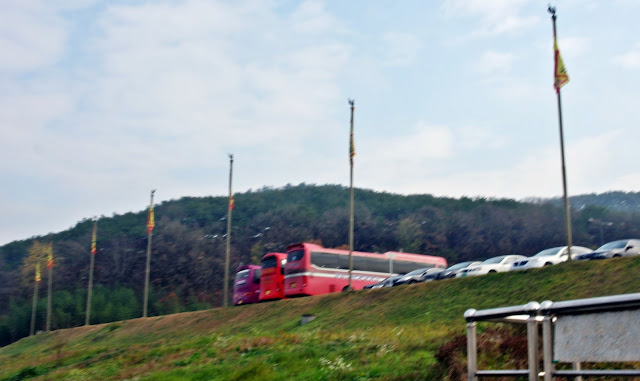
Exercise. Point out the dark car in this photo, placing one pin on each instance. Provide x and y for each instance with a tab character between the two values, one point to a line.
455	269
419	275
620	248
385	283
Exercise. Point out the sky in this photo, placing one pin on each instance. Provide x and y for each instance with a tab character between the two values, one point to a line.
102	101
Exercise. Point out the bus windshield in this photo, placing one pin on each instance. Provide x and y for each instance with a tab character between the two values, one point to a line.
269	262
294	256
242	274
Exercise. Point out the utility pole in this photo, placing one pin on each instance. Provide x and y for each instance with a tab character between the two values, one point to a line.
231	204
50	285
352	153
150	226
87	317
34	306
560	79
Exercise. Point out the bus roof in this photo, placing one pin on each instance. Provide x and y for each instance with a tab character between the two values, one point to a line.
274	255
249	266
389	254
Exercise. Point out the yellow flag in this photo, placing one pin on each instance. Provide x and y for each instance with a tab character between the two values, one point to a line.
50	255
352	147
560	77
93	240
38	278
150	221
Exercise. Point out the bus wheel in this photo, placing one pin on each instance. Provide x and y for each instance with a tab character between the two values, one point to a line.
347	288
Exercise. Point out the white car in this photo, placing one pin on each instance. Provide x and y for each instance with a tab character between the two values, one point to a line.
492	265
548	257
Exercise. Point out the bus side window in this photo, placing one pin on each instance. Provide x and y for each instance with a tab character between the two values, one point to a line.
256	276
327	260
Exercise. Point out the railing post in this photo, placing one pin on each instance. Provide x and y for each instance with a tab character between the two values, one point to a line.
547	343
532	347
472	352
576	366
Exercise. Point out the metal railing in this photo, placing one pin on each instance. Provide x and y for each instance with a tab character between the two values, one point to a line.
570	316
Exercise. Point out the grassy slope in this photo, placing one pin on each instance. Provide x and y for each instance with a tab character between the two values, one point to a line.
377	334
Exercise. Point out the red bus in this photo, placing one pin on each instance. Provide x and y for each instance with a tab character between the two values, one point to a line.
246	288
313	270
272	277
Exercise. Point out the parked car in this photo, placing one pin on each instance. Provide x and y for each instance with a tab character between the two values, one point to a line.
385	283
419	275
548	257
492	265
452	271
620	248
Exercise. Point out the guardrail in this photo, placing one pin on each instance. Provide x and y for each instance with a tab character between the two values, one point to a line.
603	329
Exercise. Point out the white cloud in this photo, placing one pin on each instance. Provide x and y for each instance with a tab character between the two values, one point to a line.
170	88
630	59
33	34
403	160
99	104
311	17
535	173
422	142
496	16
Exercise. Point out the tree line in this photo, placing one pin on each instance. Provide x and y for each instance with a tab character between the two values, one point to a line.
188	252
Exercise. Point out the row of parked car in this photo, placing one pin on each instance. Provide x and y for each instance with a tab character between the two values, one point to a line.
552	256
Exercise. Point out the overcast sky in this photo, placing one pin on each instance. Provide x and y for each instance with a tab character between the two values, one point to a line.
102	101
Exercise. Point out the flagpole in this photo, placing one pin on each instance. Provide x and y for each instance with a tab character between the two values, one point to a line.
35	301
50	285
351	208
148	267
565	198
87	318
230	209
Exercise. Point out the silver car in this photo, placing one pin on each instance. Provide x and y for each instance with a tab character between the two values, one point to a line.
452	271
620	248
548	257
492	265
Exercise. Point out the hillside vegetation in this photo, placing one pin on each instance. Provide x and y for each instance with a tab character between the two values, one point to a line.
188	251
403	333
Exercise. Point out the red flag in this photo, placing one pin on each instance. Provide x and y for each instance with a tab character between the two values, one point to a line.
50	256
560	75
150	221
231	202
93	240
352	147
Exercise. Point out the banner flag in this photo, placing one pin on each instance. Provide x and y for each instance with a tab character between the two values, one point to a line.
560	77
232	202
93	240
150	221
50	255
38	277
352	148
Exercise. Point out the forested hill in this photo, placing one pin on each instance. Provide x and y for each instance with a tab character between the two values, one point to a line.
188	252
619	201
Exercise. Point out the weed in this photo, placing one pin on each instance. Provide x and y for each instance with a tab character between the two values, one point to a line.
194	357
